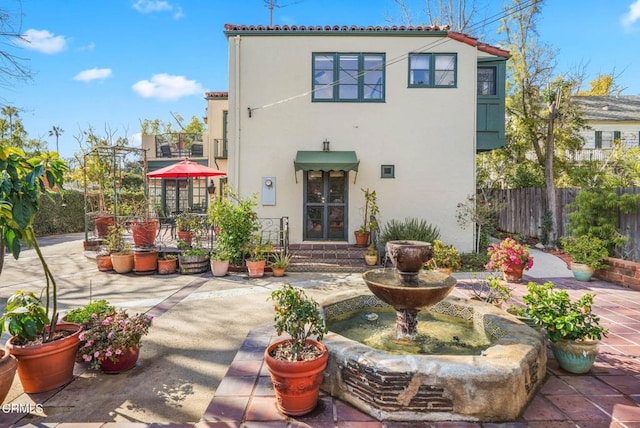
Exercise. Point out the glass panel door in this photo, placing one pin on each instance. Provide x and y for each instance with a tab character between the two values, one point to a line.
325	204
176	196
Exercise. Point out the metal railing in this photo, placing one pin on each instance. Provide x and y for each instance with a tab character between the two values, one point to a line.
179	145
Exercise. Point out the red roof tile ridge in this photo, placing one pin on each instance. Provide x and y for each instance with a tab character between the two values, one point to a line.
473	41
345	28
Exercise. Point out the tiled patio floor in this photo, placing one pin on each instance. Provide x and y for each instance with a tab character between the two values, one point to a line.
608	396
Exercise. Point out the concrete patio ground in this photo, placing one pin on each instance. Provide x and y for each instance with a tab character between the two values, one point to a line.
201	364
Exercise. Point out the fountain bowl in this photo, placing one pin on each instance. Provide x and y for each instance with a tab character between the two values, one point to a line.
428	289
408	257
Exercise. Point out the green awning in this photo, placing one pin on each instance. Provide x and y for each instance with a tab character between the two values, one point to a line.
326	161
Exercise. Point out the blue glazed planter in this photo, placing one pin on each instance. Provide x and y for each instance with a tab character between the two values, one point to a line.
581	272
575	356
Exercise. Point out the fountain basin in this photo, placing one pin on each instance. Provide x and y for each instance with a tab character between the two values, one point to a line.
494	386
429	288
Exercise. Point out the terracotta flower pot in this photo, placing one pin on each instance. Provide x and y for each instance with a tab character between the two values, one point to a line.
297	383
186	236
166	267
104	263
514	273
8	366
256	268
122	263
277	271
145	262
362	238
144	232
49	365
219	267
102	223
126	361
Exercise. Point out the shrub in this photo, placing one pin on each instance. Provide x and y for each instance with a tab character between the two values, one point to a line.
409	229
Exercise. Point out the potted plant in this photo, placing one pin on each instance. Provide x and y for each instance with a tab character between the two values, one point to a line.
258	252
84	314
235	221
122	259
187	223
279	263
49	364
446	258
111	342
167	263
297	364
571	326
369	223
103	258
193	260
143	228
45	357
491	290
511	258
220	258
8	366
371	256
588	253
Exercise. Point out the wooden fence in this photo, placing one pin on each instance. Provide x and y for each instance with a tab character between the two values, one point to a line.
523	212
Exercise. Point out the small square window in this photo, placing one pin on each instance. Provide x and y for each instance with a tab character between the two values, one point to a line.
387	171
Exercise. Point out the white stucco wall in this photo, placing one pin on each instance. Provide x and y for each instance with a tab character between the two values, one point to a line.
427	133
629	133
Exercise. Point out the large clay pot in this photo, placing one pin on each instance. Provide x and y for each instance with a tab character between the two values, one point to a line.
102	223
122	263
126	361
219	267
256	268
145	261
296	383
575	356
8	366
514	273
144	232
49	365
278	272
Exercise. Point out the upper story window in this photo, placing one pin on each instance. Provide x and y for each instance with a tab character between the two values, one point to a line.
487	80
432	70
341	77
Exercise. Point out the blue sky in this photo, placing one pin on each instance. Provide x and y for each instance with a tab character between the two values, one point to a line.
112	63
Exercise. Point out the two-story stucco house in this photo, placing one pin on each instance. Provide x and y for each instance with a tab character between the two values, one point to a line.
315	114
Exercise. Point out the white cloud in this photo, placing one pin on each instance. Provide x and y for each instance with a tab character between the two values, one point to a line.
150	6
167	87
633	15
93	74
90	47
42	41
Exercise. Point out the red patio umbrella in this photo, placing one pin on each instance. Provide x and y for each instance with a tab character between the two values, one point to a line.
185	169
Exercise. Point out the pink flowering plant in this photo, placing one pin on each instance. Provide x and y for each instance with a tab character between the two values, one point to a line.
507	254
110	336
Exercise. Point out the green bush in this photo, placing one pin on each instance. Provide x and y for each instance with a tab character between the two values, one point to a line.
409	229
473	262
60	213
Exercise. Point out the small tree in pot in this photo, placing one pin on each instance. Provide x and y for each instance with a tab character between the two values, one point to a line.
299	316
588	254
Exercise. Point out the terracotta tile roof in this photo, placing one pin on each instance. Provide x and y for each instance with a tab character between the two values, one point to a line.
622	108
216	95
301	29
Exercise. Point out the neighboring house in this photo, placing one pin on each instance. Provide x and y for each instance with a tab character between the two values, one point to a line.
171	196
318	113
609	119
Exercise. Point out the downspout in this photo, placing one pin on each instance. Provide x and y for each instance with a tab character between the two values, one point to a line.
236	89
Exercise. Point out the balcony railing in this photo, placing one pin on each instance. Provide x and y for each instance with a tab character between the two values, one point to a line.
220	148
179	145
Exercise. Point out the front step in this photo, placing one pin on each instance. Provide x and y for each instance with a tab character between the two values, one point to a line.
327	257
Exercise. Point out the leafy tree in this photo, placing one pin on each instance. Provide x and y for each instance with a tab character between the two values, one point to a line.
603	85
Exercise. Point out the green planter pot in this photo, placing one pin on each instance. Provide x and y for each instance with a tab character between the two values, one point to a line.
575	356
581	272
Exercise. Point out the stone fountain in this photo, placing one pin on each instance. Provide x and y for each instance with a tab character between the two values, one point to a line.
494	385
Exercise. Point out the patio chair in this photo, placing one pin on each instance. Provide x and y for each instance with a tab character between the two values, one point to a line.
197	150
165	151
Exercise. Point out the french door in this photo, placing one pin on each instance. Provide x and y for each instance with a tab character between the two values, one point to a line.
176	195
325	206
